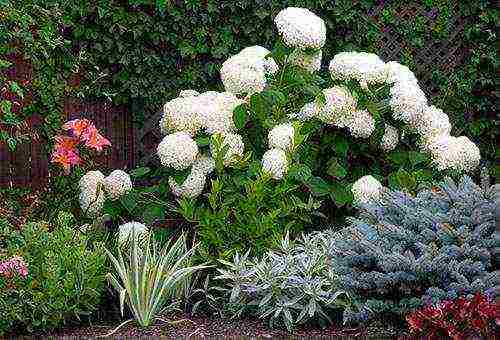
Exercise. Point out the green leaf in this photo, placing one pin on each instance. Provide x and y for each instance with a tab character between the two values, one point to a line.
5	106
300	172
417	158
181	176
14	87
240	116
335	169
257	106
341	193
12	143
153	213
341	145
4	63
399	158
320	99
139	172
274	97
129	201
202	140
318	186
405	180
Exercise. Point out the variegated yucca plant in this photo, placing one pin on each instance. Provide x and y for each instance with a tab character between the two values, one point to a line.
149	275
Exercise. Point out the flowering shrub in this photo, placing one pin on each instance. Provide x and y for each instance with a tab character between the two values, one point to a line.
82	132
458	319
13	266
61	276
279	119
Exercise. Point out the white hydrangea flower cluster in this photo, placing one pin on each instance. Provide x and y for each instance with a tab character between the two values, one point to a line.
282	137
245	72
204	164
397	73
275	163
94	188
216	111
407	102
235	148
340	110
339	106
433	123
409	105
125	232
281	140
117	184
390	139
178	150
181	114
366	68
191	111
308	111
301	28
361	124
92	194
366	189
457	153
194	184
185	116
189	93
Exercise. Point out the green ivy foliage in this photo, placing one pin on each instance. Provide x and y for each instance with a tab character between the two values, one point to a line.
141	52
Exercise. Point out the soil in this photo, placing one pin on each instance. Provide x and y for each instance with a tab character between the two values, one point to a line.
202	326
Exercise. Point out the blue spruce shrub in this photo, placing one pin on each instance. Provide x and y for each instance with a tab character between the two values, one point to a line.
403	251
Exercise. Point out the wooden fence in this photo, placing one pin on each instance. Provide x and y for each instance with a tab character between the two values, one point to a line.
28	165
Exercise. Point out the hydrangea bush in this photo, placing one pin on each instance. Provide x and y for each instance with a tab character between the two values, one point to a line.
286	142
282	124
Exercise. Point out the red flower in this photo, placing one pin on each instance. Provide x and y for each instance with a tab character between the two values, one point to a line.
66	143
415	322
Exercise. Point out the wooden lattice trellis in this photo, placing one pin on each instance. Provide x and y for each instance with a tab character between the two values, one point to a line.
434	55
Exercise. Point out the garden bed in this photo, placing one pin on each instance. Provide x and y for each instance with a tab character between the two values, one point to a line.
206	326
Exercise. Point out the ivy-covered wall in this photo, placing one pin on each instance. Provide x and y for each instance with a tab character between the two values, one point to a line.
141	52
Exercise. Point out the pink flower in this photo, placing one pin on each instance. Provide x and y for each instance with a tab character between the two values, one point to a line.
66	151
93	139
13	265
78	126
66	156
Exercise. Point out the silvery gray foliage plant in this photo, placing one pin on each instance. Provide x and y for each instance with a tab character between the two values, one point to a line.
288	286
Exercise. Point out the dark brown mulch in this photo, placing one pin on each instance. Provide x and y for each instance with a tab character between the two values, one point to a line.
198	326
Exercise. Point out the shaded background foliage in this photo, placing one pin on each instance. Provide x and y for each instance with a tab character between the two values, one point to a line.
141	52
